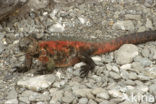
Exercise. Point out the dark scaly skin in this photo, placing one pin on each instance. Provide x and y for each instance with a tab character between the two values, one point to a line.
10	8
66	53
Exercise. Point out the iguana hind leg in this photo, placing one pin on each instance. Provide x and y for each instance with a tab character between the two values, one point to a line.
27	64
90	65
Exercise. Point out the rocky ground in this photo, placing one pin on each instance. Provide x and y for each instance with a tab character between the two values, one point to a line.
125	76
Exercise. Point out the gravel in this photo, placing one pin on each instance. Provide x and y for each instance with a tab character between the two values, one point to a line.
120	77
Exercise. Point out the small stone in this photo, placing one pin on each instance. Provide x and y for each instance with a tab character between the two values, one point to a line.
125	66
145	52
115	69
141	29
96	91
130	82
82	92
149	24
78	65
132	76
114	75
103	95
56	96
116	100
57	28
109	67
28	96
40	4
143	88
53	13
82	20
12	94
59	84
132	17
152	53
11	101
37	83
124	74
137	67
2	47
152	89
83	101
126	53
149	3
143	77
97	59
115	93
108	58
39	35
68	97
143	61
124	25
127	102
97	78
106	102
91	102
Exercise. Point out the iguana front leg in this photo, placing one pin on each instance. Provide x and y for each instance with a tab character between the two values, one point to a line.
27	64
90	65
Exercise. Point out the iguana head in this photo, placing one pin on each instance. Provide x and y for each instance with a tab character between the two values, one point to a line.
28	45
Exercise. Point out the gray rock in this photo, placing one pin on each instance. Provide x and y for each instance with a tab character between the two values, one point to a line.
136	67
143	77
91	102
132	17
56	28
126	66
96	91
115	93
143	61
59	84
53	13
153	53
12	94
109	67
115	69
149	3
82	92
83	101
126	53
127	102
37	83
114	75
40	4
146	52
108	58
56	95
149	24
2	47
152	89
141	29
97	60
28	96
68	97
124	74
132	76
106	102
11	101
103	95
116	100
96	78
39	35
124	25
129	82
